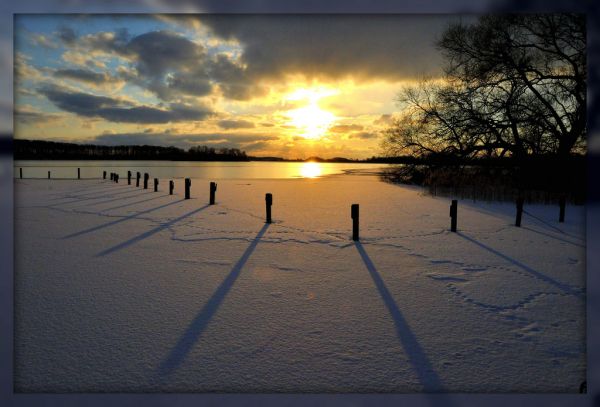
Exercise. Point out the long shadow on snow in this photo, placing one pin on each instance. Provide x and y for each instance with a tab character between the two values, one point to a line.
124	195
553	237
134	203
201	320
91	190
78	199
416	355
149	233
114	222
568	289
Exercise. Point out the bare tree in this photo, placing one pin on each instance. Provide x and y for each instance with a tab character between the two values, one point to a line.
514	85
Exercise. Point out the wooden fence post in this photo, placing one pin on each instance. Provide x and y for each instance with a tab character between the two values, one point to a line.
137	179
155	184
48	174
128	177
188	184
171	187
21	173
213	189
562	203
103	174
354	214
520	201
78	173
146	177
453	215
268	204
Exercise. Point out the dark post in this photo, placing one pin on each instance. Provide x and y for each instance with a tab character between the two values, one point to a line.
213	189
171	187
354	215
78	173
137	180
562	202
269	202
128	177
146	177
103	174
117	178
453	215
155	184
112	176
188	184
21	173
519	211
48	174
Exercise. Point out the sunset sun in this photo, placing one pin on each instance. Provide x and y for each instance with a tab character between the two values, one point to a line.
311	120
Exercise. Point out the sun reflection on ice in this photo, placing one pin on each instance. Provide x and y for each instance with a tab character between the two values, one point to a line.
310	170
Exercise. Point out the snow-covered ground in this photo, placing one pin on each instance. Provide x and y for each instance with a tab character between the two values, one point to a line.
123	289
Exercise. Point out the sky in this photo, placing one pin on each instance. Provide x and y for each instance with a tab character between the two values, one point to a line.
292	86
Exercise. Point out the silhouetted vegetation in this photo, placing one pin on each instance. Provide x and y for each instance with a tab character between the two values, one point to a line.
539	179
49	150
509	116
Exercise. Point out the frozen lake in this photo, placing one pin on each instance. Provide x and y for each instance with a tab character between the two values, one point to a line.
121	289
214	170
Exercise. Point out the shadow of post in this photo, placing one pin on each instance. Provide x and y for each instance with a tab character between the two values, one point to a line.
135	202
561	286
77	199
416	355
200	322
554	237
114	222
149	233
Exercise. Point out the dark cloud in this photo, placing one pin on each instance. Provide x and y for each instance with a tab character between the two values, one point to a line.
159	51
171	66
33	117
345	128
184	140
66	35
364	135
334	46
384	119
116	110
235	124
84	75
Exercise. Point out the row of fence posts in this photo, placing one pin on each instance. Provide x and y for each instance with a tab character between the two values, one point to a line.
78	173
354	211
354	208
188	184
519	214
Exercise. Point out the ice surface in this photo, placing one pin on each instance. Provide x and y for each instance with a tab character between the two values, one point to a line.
123	289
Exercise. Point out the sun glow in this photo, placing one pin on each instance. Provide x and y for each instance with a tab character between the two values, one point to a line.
311	120
310	170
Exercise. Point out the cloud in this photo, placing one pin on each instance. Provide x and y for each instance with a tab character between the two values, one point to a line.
184	140
84	75
66	35
384	119
43	41
118	110
364	135
27	115
235	124
326	46
345	128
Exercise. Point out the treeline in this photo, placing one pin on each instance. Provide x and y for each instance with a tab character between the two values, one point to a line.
50	150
